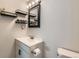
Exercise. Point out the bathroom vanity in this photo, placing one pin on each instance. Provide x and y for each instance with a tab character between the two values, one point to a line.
29	48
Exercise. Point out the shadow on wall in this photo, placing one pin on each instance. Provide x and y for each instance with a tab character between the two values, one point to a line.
46	49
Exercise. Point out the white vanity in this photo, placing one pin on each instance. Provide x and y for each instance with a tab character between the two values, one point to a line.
29	48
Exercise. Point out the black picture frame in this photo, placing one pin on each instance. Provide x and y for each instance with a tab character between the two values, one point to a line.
32	23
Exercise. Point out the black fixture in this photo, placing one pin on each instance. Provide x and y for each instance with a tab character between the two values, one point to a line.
19	52
34	16
6	13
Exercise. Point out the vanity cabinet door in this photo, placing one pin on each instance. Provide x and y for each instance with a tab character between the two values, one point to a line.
21	53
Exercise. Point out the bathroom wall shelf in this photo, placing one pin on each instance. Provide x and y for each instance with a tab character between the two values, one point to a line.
18	11
6	13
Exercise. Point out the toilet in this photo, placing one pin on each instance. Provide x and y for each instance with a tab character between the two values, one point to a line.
66	53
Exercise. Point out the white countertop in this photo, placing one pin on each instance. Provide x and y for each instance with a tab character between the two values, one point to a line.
29	42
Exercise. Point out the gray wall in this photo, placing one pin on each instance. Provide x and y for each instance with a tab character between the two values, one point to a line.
59	27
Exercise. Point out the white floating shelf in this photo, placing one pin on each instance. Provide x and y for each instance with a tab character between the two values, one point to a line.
6	13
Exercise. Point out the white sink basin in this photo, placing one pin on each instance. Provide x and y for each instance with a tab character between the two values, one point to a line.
29	42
